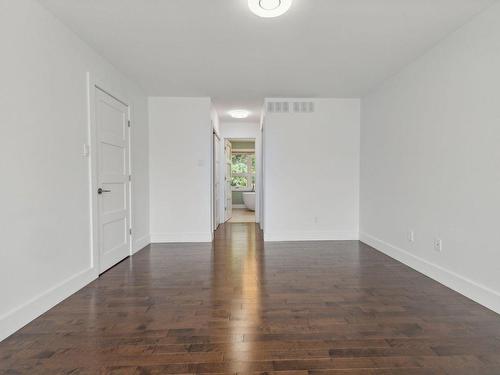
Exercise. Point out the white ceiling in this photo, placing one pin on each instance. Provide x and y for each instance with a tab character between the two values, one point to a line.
218	48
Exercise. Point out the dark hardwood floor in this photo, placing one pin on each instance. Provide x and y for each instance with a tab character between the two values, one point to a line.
241	307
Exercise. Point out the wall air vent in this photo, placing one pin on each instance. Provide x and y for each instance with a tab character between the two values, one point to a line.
290	107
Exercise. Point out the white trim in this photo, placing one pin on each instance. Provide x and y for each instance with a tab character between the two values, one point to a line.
259	168
243	151
213	219
141	243
239	206
467	287
32	309
311	236
231	139
176	237
215	170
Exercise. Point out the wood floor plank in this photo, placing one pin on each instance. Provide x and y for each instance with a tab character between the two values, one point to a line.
240	306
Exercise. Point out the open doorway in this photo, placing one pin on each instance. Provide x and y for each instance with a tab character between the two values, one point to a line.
237	172
241	179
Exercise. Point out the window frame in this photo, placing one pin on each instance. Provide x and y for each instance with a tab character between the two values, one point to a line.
249	176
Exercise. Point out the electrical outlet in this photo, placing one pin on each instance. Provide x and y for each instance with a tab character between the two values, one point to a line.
411	236
438	245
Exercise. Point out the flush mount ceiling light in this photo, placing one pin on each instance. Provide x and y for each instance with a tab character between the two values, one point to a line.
239	113
269	8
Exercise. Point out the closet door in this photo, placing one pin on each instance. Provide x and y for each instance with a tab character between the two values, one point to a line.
113	180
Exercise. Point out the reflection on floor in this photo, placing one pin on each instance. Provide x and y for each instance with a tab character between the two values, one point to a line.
242	215
240	305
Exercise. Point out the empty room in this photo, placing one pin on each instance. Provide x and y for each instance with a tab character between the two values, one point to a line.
284	187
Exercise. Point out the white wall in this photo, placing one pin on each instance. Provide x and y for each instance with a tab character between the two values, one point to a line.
430	162
44	195
180	169
241	130
311	172
140	172
215	120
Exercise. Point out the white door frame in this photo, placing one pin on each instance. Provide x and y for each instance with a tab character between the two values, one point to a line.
258	166
94	83
215	180
226	179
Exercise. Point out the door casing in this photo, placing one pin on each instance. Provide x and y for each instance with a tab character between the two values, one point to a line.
94	83
216	181
228	198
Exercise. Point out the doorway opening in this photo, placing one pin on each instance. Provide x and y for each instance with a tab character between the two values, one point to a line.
241	175
238	195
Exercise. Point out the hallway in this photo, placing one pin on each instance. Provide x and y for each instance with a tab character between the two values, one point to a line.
242	215
238	306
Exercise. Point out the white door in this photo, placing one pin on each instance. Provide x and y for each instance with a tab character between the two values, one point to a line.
112	179
216	182
228	203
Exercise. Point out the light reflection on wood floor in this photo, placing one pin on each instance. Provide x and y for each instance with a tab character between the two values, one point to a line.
240	305
242	215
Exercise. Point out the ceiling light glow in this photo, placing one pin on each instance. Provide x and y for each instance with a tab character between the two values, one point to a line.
269	8
269	4
239	113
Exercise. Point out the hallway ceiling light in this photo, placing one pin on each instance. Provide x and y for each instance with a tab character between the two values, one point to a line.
269	8
239	113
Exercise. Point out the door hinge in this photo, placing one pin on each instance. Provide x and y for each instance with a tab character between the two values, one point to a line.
129	123
130	177
130	231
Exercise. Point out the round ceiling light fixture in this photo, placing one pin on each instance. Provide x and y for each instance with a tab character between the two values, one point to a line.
269	8
239	113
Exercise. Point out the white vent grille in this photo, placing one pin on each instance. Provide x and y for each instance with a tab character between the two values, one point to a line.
290	107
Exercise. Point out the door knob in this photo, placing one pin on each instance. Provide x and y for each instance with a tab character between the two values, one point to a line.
100	191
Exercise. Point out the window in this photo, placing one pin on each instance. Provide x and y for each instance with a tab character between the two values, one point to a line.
242	171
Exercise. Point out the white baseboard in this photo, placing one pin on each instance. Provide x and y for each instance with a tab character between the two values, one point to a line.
469	288
181	237
311	236
239	206
27	312
141	243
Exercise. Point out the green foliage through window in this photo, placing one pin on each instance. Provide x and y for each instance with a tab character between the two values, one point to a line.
242	170
239	182
239	163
